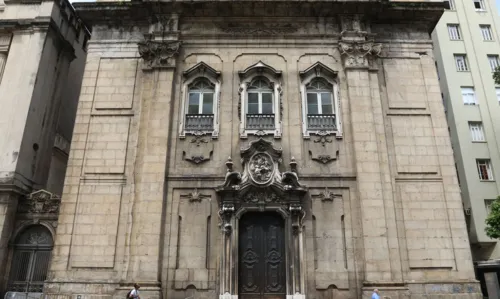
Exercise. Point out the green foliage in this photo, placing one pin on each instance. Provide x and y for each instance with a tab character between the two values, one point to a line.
493	220
496	75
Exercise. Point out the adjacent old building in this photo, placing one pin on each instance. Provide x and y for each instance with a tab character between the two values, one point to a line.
261	149
467	51
42	56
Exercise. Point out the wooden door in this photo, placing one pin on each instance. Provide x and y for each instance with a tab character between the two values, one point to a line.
262	272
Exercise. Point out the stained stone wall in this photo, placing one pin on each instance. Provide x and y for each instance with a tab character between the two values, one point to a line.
382	207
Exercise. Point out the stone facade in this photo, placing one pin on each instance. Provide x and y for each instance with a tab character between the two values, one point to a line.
168	159
42	55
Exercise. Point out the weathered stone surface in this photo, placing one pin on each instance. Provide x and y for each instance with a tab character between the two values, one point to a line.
381	212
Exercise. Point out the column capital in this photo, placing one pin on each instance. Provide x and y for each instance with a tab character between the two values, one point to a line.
356	48
159	54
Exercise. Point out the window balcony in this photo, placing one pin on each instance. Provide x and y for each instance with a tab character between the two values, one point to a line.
199	122
321	122
260	122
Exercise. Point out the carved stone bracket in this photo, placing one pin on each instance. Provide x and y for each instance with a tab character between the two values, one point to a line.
157	54
355	52
40	202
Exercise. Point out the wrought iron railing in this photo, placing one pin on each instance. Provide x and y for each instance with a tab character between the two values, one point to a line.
199	122
260	122
321	122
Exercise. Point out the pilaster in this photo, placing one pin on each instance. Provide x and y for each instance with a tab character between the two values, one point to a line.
358	51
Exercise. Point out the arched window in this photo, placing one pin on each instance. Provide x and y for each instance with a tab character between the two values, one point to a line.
201	97
200	101
260	97
30	262
320	98
320	103
260	92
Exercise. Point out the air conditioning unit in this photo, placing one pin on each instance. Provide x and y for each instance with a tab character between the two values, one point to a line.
467	211
22	295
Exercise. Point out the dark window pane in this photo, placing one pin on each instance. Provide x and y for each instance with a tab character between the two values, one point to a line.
253	103
267	103
312	103
194	104
326	103
208	103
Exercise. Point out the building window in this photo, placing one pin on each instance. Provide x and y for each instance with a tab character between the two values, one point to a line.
487	205
454	32
260	107
484	170
260	96
476	131
479	5
451	4
493	61
469	96
498	94
320	101
461	62
31	259
486	32
200	101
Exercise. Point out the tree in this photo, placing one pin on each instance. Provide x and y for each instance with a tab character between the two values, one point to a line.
493	220
496	75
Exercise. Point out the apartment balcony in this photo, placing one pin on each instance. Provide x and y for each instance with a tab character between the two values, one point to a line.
321	122
260	122
199	122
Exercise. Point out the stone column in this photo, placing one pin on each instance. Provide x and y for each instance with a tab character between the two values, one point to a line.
356	51
144	264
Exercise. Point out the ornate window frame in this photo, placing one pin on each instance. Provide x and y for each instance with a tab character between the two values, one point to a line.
319	70
260	69
199	71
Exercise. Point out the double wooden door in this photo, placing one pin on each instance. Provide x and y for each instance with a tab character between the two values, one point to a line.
262	261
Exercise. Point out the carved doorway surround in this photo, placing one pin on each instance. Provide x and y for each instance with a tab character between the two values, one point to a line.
261	188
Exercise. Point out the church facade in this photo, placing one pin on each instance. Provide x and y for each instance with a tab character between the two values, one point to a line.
261	149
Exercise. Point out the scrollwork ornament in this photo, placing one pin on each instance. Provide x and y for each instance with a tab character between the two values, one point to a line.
356	52
225	214
158	53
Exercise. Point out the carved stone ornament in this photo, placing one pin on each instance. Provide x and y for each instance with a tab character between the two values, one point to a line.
40	202
326	195
356	51
261	168
323	149
198	149
195	196
159	53
260	185
257	28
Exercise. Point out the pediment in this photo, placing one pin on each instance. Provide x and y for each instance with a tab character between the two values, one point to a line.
318	70
259	68
201	69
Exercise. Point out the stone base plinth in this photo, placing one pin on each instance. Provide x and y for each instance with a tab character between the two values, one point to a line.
414	290
71	290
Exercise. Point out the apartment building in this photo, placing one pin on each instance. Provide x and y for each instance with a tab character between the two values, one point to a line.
467	48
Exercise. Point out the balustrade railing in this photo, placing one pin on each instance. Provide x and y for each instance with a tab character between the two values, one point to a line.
199	122
321	122
260	122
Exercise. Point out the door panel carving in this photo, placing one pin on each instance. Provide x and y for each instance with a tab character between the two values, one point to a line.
262	256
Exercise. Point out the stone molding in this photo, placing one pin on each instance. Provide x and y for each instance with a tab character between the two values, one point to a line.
158	54
257	29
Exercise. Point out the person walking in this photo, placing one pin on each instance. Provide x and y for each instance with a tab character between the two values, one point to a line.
134	293
375	294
